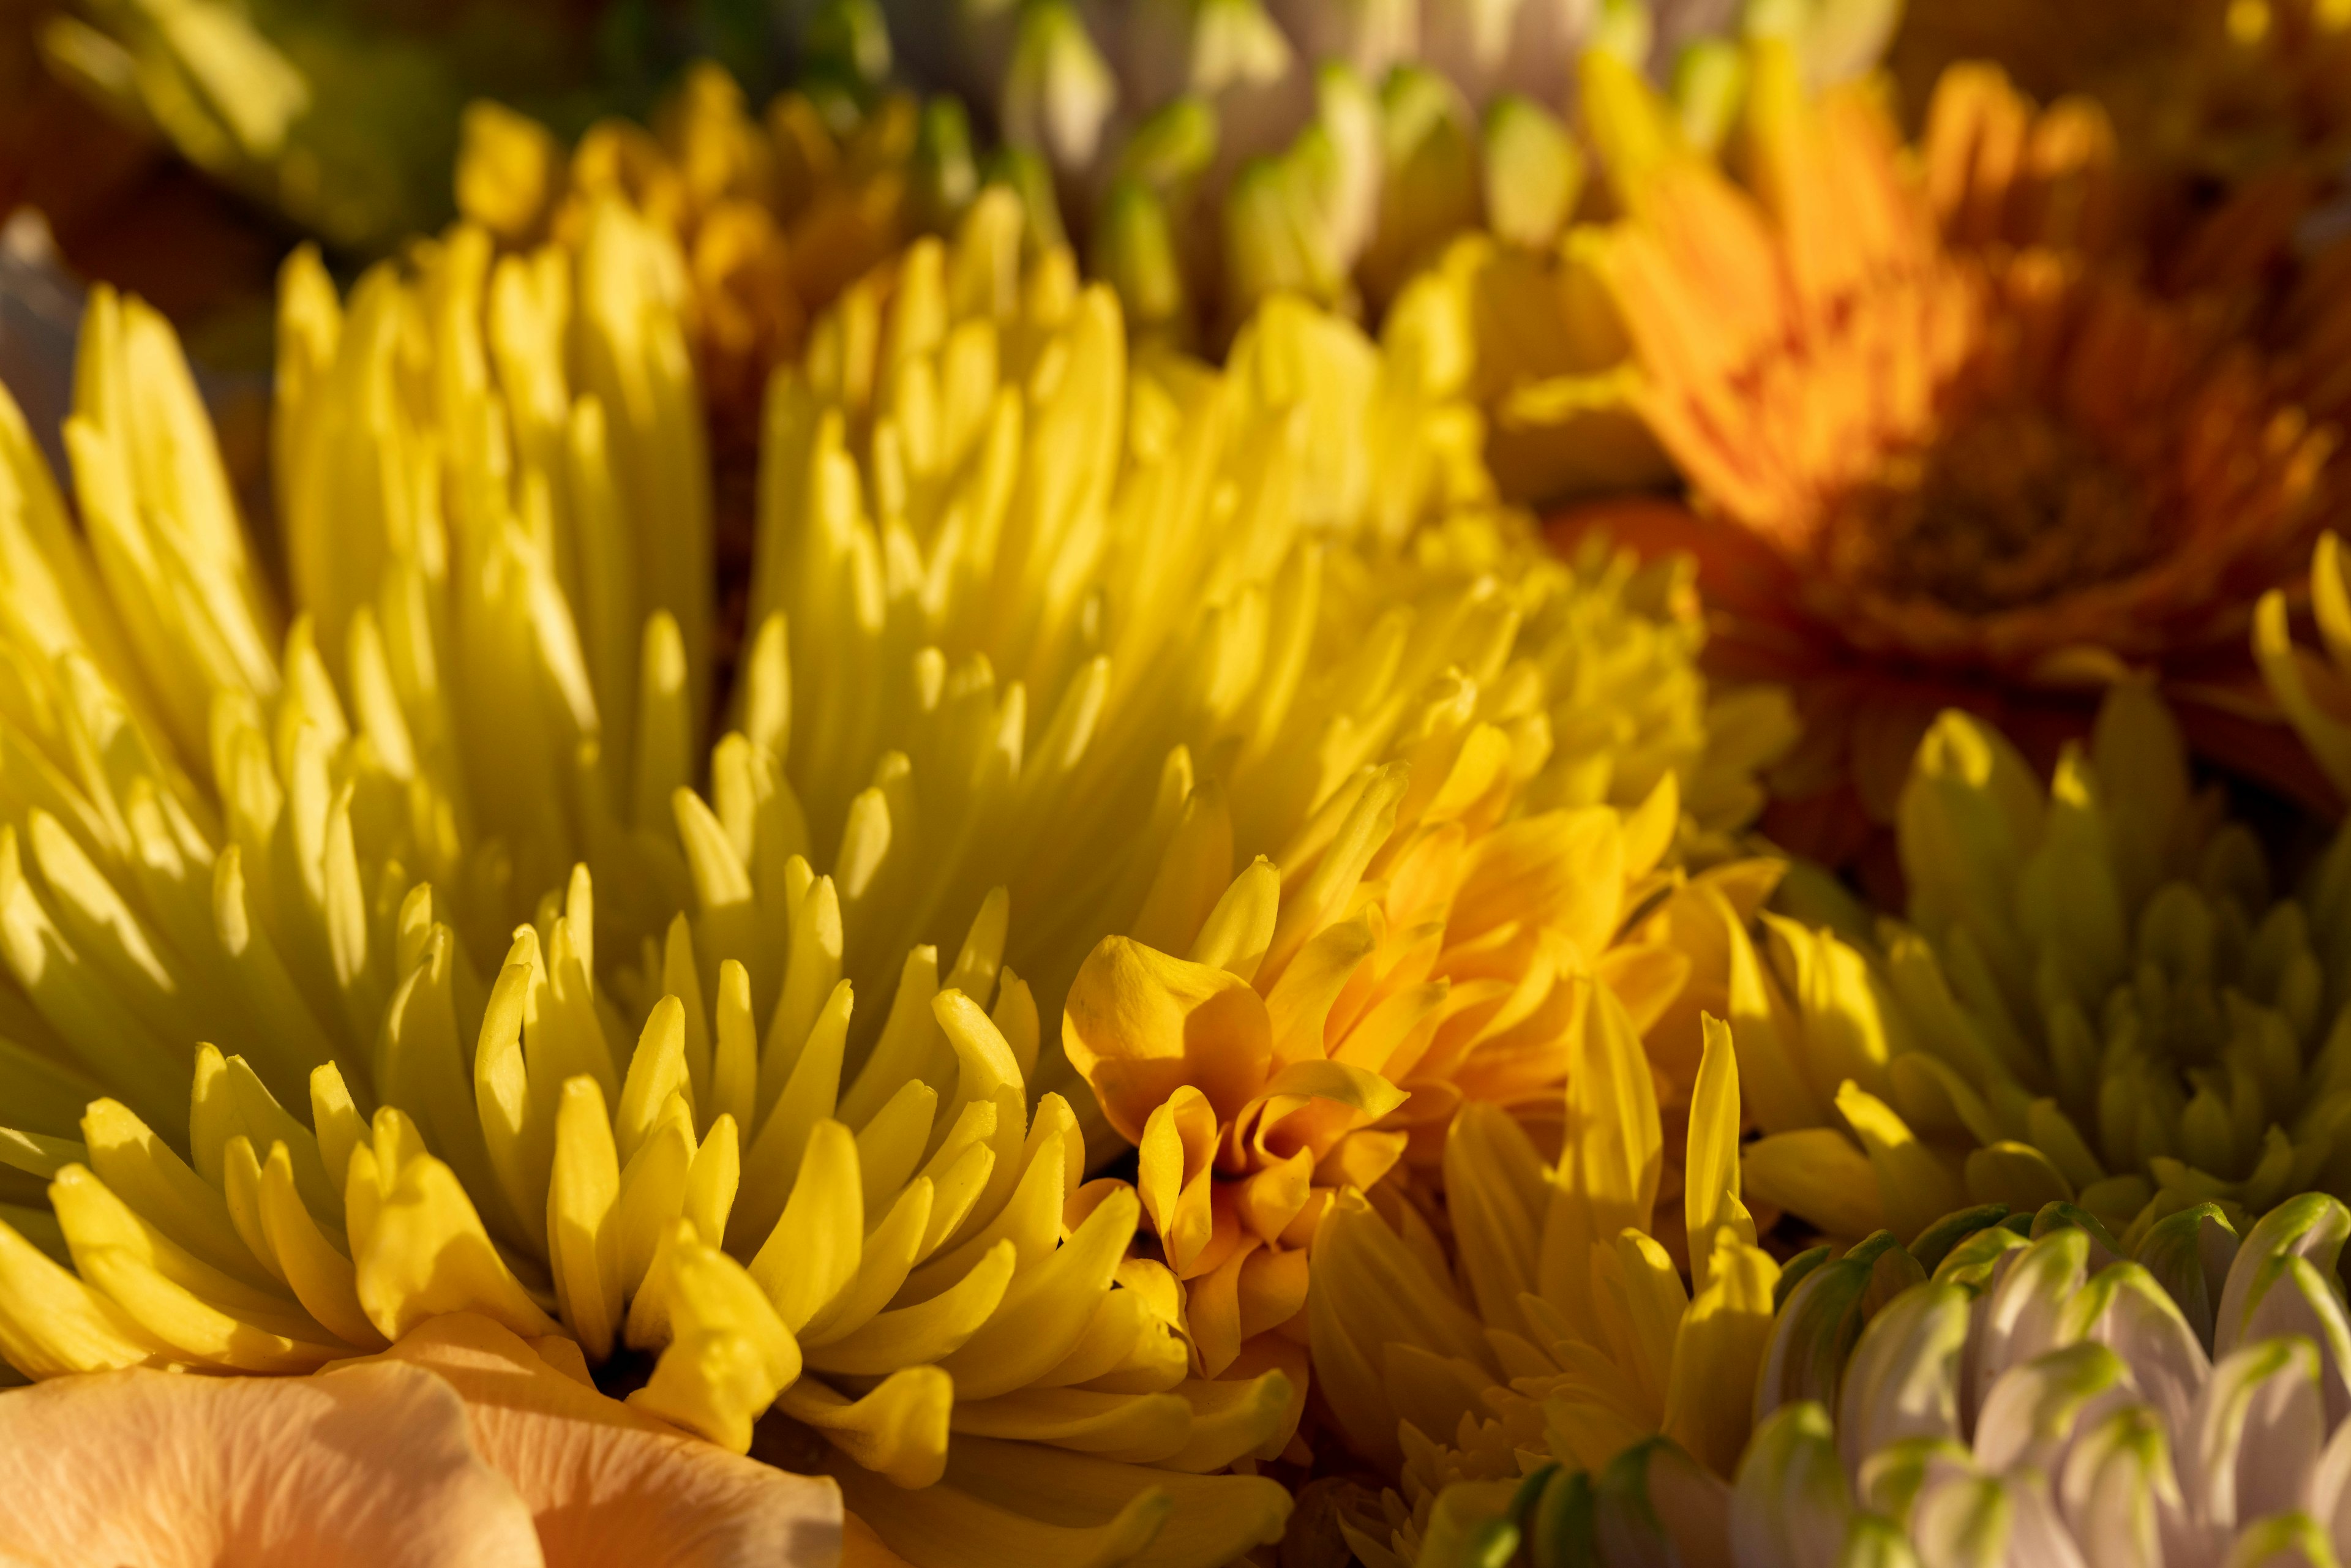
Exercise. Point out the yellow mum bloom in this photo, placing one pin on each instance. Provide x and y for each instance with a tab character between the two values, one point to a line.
773	214
1493	744
210	838
1553	1319
430	1114
549	1175
2101	997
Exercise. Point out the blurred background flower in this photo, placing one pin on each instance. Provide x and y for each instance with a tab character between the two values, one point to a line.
1921	475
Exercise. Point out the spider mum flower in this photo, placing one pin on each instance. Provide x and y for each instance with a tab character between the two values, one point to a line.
1557	1322
1941	449
1369	704
2101	997
501	1148
213	820
1066	579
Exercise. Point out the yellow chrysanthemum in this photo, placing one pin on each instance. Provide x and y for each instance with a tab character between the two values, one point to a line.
2100	998
1550	1317
436	1110
773	215
489	1176
207	838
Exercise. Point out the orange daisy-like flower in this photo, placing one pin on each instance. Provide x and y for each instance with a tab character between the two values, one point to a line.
1945	446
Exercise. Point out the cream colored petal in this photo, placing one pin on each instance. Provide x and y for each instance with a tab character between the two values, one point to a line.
368	1466
609	1484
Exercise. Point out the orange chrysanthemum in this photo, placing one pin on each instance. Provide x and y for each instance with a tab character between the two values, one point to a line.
1944	442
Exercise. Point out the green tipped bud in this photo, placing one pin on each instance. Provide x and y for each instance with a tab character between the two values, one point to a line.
1134	252
1470	1526
1262	253
1654	1503
1561	1525
849	41
1431	189
1173	146
1023	173
1815	1330
2030	1414
2282	1540
1235	45
1791	1501
1058	91
1972	1263
1347	112
2104	1250
1835	40
945	175
1903	1381
1890	1481
2311	1229
1794	1271
1625	31
2119	1479
1534	171
2189	1254
1875	1542
1709	88
1935	1242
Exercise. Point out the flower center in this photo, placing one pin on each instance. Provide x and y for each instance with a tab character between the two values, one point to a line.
2010	508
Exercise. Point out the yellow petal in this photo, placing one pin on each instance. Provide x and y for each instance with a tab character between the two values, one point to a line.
1139	1024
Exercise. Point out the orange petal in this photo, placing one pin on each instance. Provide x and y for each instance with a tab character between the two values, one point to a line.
370	1466
609	1484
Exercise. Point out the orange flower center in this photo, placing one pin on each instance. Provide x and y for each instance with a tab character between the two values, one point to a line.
2009	507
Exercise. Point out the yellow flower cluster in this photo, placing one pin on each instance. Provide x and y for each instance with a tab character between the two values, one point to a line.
808	840
1047	647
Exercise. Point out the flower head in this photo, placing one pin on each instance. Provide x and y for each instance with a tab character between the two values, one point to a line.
2043	1399
452	1146
1571	1328
2101	997
215	814
1920	472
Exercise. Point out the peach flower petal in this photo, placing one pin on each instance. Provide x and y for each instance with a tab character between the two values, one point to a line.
370	1467
608	1484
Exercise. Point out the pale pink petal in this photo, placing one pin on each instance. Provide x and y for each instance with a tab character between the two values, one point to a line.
370	1467
609	1484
